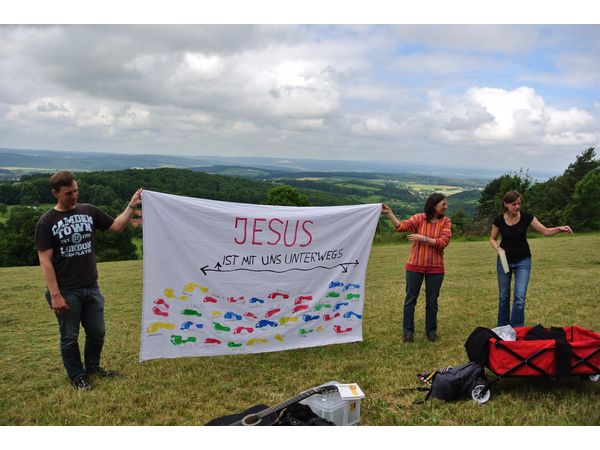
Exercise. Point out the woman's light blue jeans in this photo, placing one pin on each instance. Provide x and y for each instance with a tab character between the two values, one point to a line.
86	309
521	270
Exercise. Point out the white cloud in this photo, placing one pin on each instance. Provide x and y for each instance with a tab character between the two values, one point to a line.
496	115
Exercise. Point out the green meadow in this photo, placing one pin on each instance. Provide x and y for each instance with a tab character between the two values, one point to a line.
564	290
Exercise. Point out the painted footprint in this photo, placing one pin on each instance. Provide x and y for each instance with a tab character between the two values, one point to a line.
279	337
243	330
219	327
333	294
351	286
349	314
321	306
339	305
187	325
256	300
257	341
286	320
328	317
302	298
232	344
266	323
209	299
335	284
351	296
272	312
191	312
211	341
178	340
300	308
274	295
191	286
159	312
161	302
308	317
304	331
251	316
232	316
158	325
170	293
338	329
235	299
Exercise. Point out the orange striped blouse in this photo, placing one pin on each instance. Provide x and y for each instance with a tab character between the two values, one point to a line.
425	258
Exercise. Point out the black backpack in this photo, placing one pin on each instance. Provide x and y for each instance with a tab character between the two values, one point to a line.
453	383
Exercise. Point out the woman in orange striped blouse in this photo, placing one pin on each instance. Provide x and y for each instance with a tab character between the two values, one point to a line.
430	234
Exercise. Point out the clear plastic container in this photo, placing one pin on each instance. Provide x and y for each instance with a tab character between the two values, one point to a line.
331	406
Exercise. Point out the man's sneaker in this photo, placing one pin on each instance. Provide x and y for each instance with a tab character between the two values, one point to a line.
81	384
103	373
408	337
432	336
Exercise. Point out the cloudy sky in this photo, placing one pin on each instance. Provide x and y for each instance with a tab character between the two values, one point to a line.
517	96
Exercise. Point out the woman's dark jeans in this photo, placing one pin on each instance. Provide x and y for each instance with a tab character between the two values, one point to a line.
433	283
86	308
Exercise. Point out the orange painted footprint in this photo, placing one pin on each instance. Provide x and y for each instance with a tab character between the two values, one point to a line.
158	325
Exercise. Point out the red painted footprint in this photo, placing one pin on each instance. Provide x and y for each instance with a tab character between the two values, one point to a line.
300	308
328	317
302	298
274	295
272	312
159	312
338	329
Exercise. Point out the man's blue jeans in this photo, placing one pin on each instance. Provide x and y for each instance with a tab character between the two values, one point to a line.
86	308
521	270
433	283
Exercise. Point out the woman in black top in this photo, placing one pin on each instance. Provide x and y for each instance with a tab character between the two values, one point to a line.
512	224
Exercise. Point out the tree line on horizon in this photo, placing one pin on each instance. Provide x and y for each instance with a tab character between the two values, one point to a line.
572	198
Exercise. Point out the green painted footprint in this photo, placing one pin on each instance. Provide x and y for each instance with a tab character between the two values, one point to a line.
333	294
319	307
351	296
178	340
219	327
191	312
233	344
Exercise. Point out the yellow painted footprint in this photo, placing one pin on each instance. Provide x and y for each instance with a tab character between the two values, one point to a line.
191	286
158	325
279	337
256	341
169	293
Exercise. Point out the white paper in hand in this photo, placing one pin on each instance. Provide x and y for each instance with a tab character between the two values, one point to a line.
503	260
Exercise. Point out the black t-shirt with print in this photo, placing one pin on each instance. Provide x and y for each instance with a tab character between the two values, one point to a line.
514	237
70	235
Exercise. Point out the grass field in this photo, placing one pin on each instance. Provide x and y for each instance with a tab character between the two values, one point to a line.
564	290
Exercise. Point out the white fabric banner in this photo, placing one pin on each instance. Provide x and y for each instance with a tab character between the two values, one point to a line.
225	278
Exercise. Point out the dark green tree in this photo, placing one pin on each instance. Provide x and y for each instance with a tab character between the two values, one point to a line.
584	211
286	196
490	201
16	238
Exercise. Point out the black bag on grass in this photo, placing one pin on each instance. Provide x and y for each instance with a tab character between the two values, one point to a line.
456	382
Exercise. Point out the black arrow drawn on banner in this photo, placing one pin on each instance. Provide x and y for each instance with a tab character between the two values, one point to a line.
218	266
